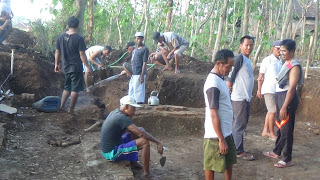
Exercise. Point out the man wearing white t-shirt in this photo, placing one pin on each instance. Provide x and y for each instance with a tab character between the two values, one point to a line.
269	69
219	148
94	54
240	83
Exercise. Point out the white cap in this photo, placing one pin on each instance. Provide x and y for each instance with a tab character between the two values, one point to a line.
128	100
139	34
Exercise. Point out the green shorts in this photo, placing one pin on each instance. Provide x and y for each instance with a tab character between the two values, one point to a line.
215	161
74	82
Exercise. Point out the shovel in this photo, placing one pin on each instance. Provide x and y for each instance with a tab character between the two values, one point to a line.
163	160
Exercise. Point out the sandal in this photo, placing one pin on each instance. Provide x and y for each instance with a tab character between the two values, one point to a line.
282	164
246	156
271	154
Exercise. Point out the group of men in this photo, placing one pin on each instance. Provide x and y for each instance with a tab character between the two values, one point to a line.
227	102
227	116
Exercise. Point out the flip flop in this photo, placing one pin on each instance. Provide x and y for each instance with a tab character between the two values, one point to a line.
246	156
269	154
282	164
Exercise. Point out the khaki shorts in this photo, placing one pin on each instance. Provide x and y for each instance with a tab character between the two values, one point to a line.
215	161
181	50
270	100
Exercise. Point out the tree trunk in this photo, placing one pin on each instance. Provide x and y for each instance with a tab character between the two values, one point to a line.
143	17
81	7
245	18
147	21
132	21
316	30
91	21
211	31
303	31
234	22
118	25
186	21
287	20
221	23
255	59
169	14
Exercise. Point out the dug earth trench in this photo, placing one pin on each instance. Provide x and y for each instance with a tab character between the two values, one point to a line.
38	145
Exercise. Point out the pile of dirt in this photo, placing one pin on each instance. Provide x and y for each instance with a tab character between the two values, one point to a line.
32	73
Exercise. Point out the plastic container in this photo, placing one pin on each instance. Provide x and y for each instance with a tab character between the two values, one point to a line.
48	104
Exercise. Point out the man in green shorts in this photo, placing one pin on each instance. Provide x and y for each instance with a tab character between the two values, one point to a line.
219	148
70	48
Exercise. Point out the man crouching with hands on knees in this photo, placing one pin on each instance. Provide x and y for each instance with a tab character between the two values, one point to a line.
219	148
121	139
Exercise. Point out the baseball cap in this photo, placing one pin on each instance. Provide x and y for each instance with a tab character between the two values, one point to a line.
128	100
156	36
139	34
276	43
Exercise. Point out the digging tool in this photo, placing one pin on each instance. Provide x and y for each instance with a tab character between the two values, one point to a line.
163	161
163	158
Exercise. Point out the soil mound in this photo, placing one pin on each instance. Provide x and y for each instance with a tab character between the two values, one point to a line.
31	73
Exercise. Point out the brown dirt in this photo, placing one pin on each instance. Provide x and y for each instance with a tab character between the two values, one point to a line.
26	153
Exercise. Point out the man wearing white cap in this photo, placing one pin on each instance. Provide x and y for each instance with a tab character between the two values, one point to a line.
139	61
269	69
118	141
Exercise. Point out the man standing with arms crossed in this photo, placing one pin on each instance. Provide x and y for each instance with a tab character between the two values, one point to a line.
219	149
240	83
269	69
70	47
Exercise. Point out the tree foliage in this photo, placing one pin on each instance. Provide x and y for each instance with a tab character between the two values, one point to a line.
115	22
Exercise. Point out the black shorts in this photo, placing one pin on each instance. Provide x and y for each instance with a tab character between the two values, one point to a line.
74	82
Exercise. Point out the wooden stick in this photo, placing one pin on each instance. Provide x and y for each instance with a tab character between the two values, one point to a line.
309	57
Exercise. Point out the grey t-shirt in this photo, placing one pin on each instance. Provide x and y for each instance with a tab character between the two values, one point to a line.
138	57
112	129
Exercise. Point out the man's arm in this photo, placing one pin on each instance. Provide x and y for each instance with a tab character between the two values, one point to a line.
56	61
223	146
293	82
84	60
93	56
144	134
260	82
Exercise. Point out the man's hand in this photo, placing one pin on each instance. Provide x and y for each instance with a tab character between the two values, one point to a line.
283	113
57	68
160	148
169	56
99	66
259	95
223	146
141	79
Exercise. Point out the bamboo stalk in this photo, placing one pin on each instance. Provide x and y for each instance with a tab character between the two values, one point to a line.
309	57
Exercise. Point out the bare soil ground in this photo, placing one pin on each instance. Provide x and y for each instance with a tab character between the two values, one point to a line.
27	151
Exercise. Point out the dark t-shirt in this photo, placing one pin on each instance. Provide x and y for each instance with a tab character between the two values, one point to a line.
69	46
112	129
139	56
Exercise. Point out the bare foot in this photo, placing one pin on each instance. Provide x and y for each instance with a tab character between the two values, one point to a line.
264	133
135	165
167	68
273	137
148	176
72	112
177	71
